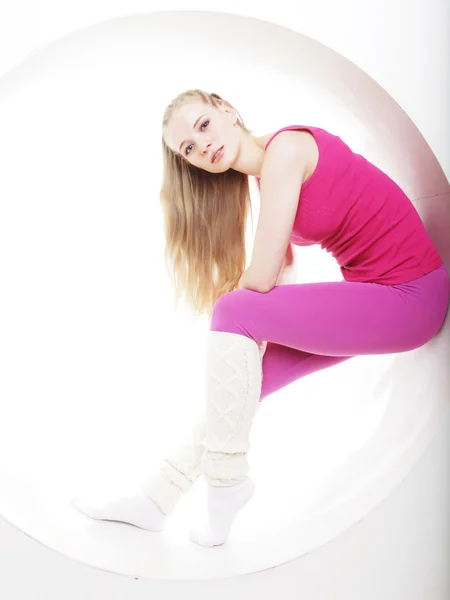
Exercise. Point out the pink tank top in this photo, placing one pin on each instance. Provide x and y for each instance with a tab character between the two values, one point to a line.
361	216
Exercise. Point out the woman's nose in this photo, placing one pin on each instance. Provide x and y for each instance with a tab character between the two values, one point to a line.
206	147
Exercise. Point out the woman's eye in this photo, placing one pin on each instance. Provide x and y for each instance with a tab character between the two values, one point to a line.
186	151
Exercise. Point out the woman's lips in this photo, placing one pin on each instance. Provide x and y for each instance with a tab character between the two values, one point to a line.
218	155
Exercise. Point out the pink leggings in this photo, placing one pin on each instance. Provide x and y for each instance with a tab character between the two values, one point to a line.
312	326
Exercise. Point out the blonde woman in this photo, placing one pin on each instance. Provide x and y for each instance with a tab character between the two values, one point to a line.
267	331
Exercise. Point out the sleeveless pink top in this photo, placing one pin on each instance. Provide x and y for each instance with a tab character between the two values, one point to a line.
361	216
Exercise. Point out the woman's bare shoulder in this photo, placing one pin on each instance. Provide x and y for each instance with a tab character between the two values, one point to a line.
299	141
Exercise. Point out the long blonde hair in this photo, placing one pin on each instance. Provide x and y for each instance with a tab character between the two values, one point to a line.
205	217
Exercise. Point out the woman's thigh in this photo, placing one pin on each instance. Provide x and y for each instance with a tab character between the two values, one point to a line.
339	318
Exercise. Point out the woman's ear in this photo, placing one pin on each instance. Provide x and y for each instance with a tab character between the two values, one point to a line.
232	113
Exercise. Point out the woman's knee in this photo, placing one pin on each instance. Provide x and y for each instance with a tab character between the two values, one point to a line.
230	310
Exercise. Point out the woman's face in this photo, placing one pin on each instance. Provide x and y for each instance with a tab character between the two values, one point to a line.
197	130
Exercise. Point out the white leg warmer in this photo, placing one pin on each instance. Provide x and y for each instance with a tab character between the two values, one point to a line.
233	389
179	470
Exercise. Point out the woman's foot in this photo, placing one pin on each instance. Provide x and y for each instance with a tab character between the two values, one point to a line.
224	503
140	511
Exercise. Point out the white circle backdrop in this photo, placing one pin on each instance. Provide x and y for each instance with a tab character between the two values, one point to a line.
96	363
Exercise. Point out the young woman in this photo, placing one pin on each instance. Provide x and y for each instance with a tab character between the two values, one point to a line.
393	298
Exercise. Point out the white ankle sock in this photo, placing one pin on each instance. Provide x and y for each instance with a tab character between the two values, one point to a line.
224	503
139	510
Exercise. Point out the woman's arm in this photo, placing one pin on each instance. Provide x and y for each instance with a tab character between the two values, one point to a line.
283	170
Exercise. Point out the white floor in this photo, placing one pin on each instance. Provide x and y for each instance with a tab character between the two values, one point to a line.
400	551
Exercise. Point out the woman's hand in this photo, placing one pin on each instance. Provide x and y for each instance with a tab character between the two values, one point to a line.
262	348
